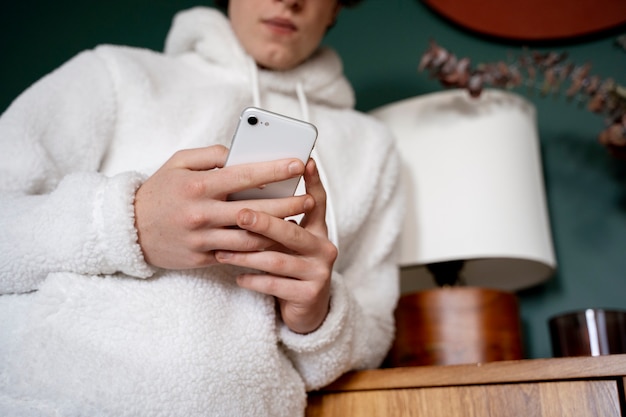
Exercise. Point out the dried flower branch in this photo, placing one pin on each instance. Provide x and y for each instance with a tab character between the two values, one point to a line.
549	73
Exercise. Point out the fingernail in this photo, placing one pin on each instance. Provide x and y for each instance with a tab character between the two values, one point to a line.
246	217
294	168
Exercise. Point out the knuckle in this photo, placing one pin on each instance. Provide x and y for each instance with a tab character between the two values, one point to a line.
276	263
322	271
313	291
254	244
196	244
194	188
309	292
199	259
193	220
271	285
330	251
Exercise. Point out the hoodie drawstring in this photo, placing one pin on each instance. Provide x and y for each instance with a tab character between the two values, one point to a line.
256	89
330	214
304	104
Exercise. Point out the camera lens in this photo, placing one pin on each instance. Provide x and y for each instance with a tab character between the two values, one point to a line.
252	120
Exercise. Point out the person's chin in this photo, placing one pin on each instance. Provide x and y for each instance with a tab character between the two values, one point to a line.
277	61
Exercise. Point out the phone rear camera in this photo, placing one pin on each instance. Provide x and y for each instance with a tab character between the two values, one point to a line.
252	120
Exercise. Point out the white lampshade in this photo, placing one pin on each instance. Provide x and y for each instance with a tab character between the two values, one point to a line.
473	177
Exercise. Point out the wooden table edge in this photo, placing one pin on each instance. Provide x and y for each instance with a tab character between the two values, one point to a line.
526	370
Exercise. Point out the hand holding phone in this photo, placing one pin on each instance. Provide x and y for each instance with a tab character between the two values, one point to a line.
262	136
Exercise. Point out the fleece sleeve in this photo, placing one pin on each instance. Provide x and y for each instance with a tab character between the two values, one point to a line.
359	328
56	212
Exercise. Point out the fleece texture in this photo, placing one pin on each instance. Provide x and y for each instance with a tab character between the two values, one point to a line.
87	328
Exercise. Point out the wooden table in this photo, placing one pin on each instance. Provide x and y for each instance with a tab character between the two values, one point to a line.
577	387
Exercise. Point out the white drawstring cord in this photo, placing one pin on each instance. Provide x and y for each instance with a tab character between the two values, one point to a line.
254	75
330	214
304	104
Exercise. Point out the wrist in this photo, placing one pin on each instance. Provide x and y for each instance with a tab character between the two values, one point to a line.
311	321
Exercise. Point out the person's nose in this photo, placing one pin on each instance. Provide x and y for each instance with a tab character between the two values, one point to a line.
291	3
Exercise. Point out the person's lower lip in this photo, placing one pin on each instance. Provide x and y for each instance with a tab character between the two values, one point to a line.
280	28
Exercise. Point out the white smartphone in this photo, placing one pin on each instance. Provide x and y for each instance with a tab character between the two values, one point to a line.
262	136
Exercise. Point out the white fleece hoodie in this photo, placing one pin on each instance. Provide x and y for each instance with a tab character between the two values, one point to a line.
87	328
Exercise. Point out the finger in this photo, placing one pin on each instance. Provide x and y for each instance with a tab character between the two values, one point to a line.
201	159
246	176
276	286
289	234
225	213
315	220
275	264
302	304
232	240
280	208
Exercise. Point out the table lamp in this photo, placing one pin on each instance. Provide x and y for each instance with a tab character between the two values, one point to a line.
476	227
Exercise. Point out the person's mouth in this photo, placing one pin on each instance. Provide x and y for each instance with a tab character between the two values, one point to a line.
280	25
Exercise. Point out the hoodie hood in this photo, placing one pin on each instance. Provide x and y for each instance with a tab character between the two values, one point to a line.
207	33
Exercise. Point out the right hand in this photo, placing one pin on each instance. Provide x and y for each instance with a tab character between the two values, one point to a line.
181	212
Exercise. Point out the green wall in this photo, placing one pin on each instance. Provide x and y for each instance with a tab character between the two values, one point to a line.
381	42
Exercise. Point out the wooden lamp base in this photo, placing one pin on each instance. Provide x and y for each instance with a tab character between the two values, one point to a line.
456	325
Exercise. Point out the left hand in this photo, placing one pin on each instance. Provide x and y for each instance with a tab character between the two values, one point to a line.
297	270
